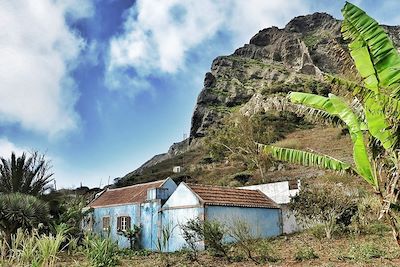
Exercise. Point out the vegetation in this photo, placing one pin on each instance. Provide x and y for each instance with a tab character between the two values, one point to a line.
20	211
373	113
240	135
133	235
326	204
25	175
100	251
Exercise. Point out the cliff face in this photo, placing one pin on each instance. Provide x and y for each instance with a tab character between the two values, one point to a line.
274	61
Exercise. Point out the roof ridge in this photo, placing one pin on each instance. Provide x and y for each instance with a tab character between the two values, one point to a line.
135	185
221	186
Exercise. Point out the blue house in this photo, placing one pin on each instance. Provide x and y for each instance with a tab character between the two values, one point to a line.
223	204
162	204
121	208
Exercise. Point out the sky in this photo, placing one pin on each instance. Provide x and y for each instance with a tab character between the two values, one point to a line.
101	86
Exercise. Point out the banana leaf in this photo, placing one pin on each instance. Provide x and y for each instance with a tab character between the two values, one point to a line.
337	107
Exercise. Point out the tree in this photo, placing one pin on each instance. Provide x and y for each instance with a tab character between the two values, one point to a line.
324	204
374	113
238	138
21	211
27	175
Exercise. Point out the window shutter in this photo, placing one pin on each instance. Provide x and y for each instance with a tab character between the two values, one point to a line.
128	222
118	223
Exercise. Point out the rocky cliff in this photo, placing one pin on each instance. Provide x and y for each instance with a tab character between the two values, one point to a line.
276	61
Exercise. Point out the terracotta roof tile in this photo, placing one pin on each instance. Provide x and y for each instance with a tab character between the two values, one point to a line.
125	195
226	196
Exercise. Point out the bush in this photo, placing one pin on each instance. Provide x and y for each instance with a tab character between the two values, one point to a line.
305	253
100	252
363	252
325	204
244	238
211	232
266	251
318	231
242	177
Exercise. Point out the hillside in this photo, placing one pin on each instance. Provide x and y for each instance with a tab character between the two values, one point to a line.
276	61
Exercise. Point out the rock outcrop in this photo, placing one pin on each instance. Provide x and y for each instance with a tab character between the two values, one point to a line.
275	61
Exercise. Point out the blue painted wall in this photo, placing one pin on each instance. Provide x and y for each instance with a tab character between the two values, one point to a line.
262	221
113	212
174	218
150	220
145	214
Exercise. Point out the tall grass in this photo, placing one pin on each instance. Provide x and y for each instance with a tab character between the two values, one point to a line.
33	249
100	252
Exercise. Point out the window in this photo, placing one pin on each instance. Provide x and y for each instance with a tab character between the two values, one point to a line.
123	223
106	223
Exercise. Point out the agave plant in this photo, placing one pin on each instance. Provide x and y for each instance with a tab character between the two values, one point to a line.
375	116
21	211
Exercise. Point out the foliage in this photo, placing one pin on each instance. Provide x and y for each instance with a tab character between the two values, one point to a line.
21	211
192	234
100	251
133	234
322	204
244	238
35	249
72	215
363	252
163	242
238	138
242	177
211	232
305	253
25	175
375	114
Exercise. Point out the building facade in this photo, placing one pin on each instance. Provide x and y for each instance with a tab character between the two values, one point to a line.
226	205
162	205
116	210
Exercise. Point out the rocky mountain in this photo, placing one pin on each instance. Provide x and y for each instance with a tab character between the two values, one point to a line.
276	61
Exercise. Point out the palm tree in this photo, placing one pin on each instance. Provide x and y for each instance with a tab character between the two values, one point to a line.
374	113
20	211
25	175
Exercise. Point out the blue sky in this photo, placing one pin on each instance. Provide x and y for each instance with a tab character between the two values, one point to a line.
101	86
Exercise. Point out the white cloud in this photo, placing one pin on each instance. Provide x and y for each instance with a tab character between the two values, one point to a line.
158	34
6	147
37	52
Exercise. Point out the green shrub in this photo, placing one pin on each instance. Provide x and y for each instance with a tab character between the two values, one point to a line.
242	177
318	231
266	251
100	252
305	253
211	232
363	252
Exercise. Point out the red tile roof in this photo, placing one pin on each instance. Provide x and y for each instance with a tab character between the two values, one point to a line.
226	196
125	195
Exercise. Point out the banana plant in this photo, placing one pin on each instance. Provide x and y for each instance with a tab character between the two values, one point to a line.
378	64
336	107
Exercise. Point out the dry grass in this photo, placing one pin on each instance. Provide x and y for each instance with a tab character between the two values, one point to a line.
334	252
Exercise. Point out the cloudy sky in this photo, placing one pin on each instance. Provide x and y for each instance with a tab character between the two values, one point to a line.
100	86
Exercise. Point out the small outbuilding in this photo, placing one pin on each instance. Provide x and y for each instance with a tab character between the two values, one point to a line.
223	204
